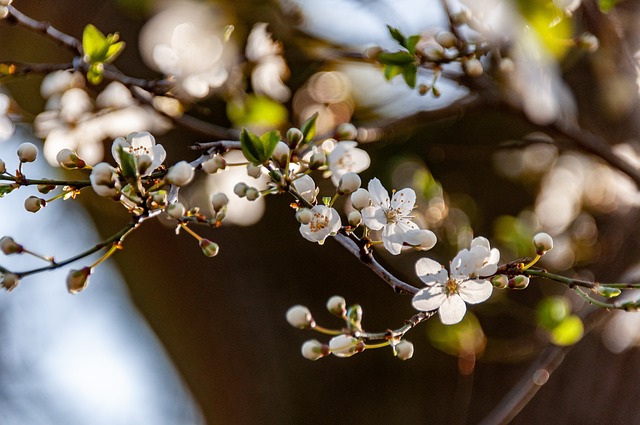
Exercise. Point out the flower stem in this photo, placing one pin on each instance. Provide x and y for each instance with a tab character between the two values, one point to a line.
327	331
191	232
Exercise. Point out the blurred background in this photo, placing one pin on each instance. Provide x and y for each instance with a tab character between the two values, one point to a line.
164	335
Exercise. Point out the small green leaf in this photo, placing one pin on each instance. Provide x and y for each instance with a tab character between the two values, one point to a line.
396	58
608	292
252	147
397	35
308	127
391	71
114	51
5	189
269	142
127	164
409	73
94	74
411	43
354	316
568	332
94	44
326	200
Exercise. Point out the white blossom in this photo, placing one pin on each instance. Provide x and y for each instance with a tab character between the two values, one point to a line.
143	147
324	223
448	293
180	174
306	187
344	346
390	215
345	158
104	180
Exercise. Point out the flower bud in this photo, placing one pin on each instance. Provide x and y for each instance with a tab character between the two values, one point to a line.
45	188
27	152
317	160
294	136
3	167
519	282
500	281
314	349
254	171
77	280
354	218
404	350
210	249
176	210
345	346
543	243
306	187
304	215
69	159
446	39
252	194
472	67
34	204
337	306
607	292
420	239
300	317
240	189
9	281
433	52
349	183
180	174
219	200
360	199
214	164
346	131
281	154
9	246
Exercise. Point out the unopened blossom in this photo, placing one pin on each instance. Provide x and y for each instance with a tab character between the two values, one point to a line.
104	180
77	280
69	159
304	215
324	223
360	199
34	204
27	152
306	187
300	317
9	246
9	281
448	293
180	174
344	346
346	158
349	183
143	147
404	350
214	164
281	154
543	243
176	210
219	200
314	349
337	305
3	167
209	248
390	215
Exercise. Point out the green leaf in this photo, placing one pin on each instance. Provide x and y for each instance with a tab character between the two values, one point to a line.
606	5
269	142
397	58
568	332
252	147
409	73
6	189
308	128
411	43
391	71
397	35
127	164
114	51
94	44
94	74
608	292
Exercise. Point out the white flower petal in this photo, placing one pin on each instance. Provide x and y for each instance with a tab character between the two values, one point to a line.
427	266
452	310
429	298
403	201
463	264
475	291
379	194
481	241
374	218
391	240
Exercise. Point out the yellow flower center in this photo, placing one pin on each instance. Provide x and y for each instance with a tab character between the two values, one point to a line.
451	287
318	222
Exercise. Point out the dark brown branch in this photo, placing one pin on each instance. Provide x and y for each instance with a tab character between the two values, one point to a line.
18	18
11	69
